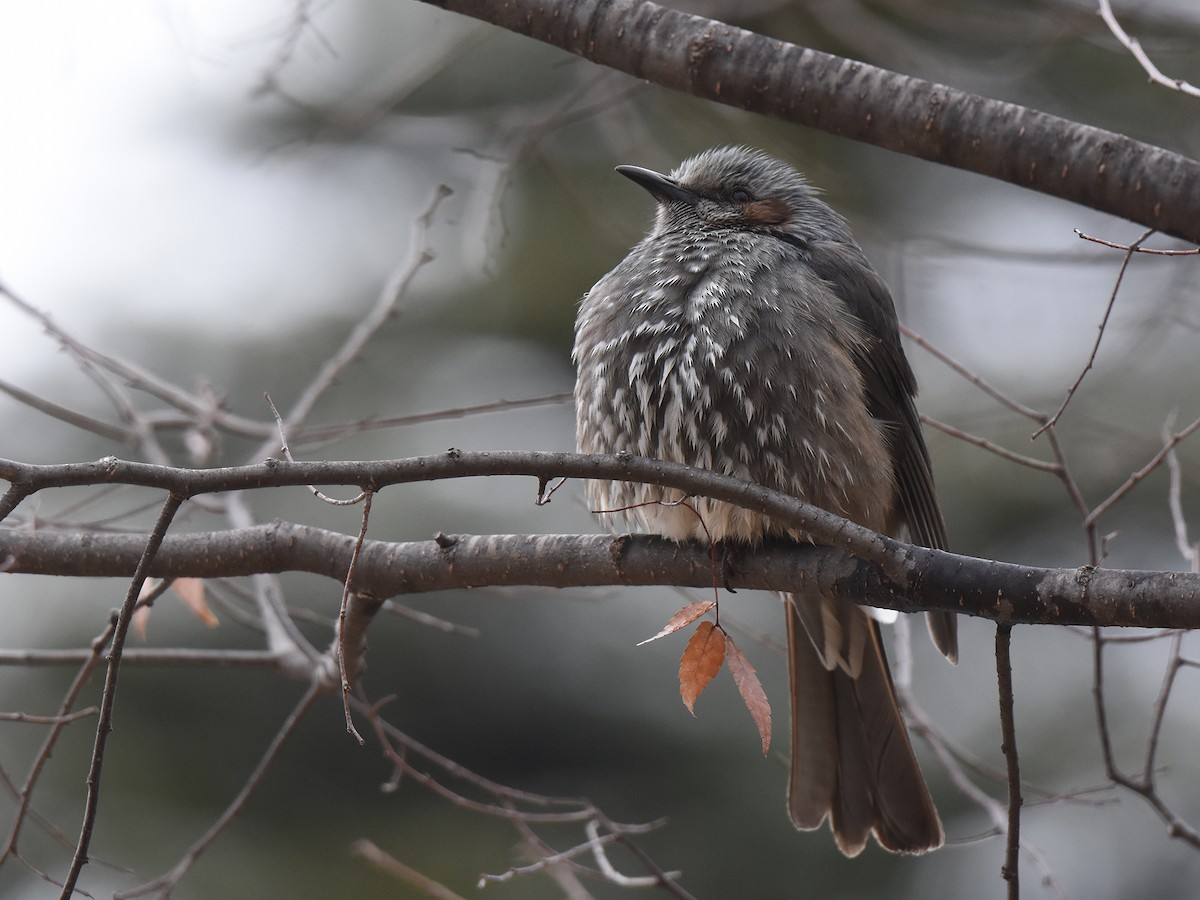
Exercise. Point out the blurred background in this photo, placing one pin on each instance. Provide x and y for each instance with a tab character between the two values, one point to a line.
219	191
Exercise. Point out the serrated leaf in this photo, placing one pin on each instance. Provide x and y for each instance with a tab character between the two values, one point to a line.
751	690
682	619
701	661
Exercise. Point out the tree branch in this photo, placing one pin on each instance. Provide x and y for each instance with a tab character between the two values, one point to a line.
709	59
934	579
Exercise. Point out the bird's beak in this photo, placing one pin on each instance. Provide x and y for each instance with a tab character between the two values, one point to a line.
660	186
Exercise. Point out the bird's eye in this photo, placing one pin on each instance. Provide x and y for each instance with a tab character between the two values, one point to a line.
740	195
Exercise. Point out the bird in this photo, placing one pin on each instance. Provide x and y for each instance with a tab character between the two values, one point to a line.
748	334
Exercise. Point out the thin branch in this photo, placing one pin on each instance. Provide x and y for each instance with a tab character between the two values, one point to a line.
1020	459
300	23
722	63
1134	47
105	372
1112	299
665	880
597	842
350	643
565	874
109	696
170	657
387	863
385	306
64	719
311	434
88	661
77	420
1176	826
163	885
561	856
1132	481
1011	868
1134	248
1188	549
575	810
952	759
287	454
284	639
994	392
1174	664
429	620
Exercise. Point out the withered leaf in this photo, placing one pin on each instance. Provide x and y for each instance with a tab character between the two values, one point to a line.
751	690
191	592
684	617
702	659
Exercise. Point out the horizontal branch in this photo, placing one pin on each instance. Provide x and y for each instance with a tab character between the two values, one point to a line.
719	62
933	579
174	657
27	479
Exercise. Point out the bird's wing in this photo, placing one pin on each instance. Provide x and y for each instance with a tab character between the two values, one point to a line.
891	387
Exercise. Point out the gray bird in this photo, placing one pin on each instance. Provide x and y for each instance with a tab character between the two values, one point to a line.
748	334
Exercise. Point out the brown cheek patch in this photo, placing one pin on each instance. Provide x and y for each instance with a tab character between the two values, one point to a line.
767	212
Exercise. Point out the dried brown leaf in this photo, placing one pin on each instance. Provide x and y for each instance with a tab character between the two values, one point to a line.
683	618
751	690
701	661
191	592
140	621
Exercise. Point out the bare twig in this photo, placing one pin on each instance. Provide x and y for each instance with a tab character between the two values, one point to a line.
1053	468
1010	871
1135	248
1134	47
109	697
88	661
78	420
350	664
1170	442
1112	299
952	759
163	885
168	657
385	306
665	880
1146	789
300	23
63	719
293	651
111	375
1188	549
596	842
564	874
428	620
1174	664
410	876
311	434
287	454
552	859
994	392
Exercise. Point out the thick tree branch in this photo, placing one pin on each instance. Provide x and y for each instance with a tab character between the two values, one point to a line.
857	563
709	59
26	479
934	579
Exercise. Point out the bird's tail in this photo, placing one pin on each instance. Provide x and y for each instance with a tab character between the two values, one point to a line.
851	757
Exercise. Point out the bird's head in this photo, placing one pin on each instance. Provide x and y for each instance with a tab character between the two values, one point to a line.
738	188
